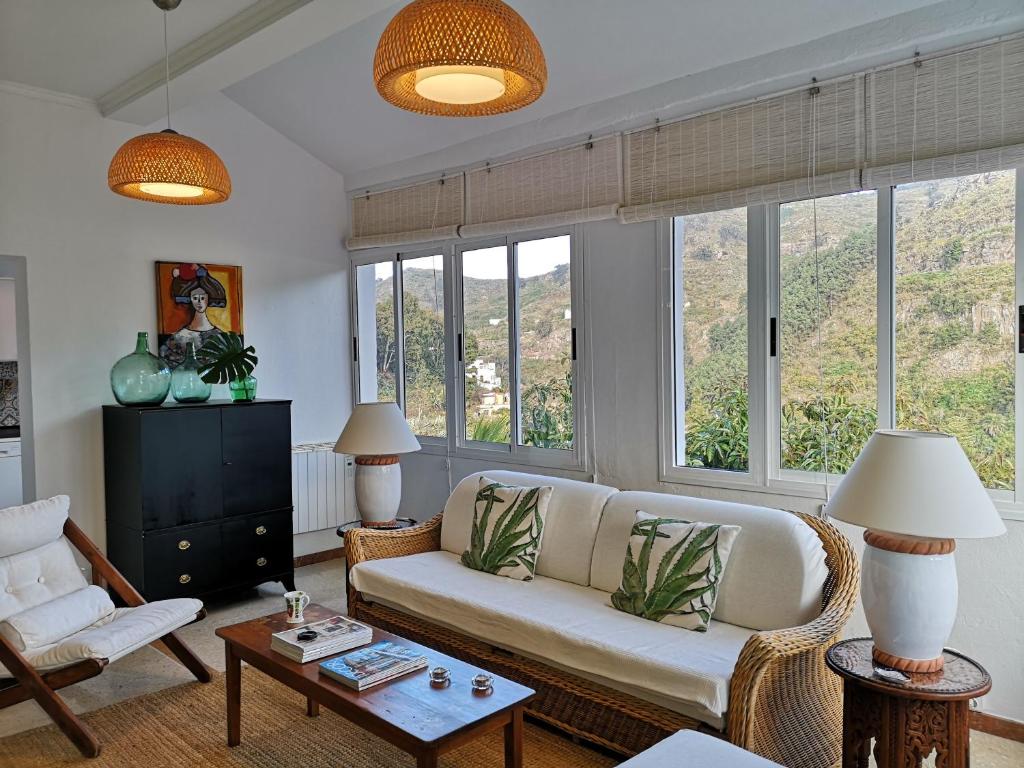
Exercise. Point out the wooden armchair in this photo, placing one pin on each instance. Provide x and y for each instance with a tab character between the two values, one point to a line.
43	594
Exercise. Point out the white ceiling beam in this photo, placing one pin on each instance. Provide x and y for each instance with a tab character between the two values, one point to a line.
263	34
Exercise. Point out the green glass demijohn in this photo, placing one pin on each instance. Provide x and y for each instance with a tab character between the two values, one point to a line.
140	378
187	386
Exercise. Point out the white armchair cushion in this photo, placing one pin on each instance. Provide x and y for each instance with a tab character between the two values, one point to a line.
32	525
47	623
38	576
117	635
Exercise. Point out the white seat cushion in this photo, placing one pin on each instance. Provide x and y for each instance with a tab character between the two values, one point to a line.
117	635
570	526
568	625
776	568
37	576
51	622
692	749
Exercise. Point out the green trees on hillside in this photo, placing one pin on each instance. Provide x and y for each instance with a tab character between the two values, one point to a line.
954	332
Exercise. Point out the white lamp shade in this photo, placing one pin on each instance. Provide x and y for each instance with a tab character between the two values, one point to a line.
376	429
916	484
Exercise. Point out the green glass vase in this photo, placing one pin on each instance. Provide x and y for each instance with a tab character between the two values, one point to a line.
140	378
187	386
243	390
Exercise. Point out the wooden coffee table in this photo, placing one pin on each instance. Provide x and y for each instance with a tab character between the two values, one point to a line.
407	712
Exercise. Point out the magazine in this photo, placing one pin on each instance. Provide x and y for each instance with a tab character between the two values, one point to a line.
370	666
333	635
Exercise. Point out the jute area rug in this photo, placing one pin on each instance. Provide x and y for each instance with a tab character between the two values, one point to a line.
184	727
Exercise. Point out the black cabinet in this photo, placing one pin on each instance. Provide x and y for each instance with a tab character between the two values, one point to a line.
199	497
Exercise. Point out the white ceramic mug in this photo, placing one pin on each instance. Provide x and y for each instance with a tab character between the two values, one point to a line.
295	603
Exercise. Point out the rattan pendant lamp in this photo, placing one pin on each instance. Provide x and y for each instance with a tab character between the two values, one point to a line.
167	167
459	58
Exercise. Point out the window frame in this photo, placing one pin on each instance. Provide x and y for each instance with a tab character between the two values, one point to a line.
765	474
455	443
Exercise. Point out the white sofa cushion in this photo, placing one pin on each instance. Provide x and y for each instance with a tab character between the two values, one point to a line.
47	623
31	525
567	625
117	635
37	576
693	749
777	565
570	527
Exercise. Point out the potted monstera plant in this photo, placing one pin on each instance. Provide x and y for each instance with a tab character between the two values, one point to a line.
224	359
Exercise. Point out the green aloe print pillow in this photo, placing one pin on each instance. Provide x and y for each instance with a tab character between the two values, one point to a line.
508	524
672	570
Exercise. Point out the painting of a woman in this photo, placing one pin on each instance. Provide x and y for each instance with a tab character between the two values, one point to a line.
195	304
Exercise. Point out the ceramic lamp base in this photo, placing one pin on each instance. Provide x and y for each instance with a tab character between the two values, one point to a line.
378	490
909	589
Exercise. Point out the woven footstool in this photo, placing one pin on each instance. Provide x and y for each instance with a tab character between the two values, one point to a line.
692	748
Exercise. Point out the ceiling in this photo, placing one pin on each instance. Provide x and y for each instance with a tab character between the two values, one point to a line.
87	47
611	63
324	99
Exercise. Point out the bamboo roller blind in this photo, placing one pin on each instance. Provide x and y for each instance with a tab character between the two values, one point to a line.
754	153
566	186
957	114
412	214
947	115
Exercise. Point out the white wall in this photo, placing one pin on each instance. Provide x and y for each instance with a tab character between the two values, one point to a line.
621	267
90	257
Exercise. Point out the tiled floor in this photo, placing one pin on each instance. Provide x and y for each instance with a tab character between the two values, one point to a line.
149	670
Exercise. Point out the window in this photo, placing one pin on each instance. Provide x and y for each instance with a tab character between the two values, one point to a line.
485	344
375	341
955	302
789	340
487	363
711	336
424	350
827	322
545	336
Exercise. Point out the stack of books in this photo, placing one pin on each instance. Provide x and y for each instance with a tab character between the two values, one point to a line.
371	666
322	638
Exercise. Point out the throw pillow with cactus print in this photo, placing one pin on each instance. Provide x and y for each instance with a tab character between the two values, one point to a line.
672	570
508	525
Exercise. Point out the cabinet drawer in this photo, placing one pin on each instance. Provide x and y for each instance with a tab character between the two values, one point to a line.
256	545
182	562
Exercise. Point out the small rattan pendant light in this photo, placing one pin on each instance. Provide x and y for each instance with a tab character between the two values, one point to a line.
459	58
167	167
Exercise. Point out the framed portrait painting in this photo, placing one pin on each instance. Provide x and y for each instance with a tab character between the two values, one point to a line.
194	303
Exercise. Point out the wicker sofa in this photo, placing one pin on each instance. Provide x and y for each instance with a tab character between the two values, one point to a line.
757	677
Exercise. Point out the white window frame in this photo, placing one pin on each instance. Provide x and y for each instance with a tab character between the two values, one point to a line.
764	472
455	443
513	452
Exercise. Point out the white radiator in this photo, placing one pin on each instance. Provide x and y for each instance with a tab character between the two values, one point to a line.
321	488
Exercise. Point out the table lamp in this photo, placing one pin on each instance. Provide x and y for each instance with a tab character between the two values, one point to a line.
375	434
916	493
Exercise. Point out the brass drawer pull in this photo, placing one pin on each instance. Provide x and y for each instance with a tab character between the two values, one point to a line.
261	562
260	530
184	544
184	578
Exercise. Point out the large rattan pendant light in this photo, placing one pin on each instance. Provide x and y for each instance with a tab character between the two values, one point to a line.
167	167
459	58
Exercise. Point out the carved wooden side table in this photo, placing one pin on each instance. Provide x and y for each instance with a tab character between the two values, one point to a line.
907	718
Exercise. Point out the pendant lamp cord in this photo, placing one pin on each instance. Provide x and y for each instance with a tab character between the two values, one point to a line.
167	75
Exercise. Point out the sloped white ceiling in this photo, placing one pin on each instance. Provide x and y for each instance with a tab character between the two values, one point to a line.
324	99
86	47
